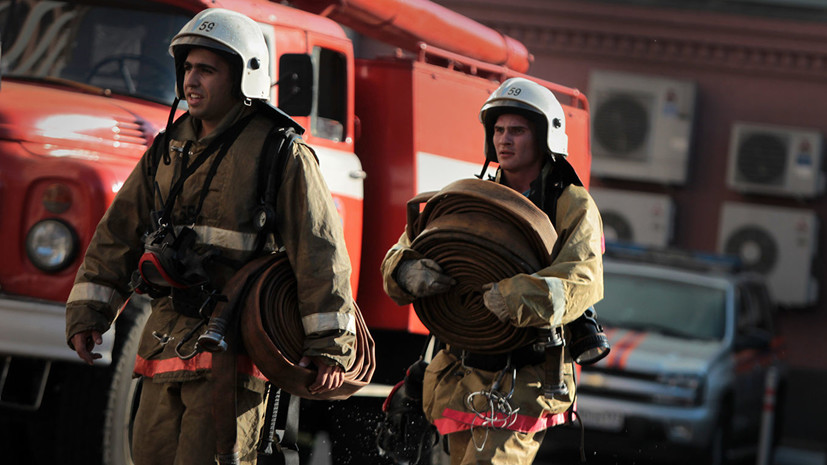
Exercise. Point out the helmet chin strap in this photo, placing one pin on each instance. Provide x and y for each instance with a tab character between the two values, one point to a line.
484	168
170	119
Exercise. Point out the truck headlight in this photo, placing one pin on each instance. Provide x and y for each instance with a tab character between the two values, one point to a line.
51	245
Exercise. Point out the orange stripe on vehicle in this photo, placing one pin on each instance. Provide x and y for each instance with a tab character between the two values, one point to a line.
620	350
618	355
631	346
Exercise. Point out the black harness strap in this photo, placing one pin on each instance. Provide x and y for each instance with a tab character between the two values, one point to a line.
286	443
224	142
290	440
214	168
562	175
270	175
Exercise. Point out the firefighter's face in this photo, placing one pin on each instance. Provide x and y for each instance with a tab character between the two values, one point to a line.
208	87
515	144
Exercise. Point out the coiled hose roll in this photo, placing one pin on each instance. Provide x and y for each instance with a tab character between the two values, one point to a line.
479	232
273	335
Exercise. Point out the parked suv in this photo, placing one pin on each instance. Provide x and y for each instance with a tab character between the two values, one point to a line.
692	342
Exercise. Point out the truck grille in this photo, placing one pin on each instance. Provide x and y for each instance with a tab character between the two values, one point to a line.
640	387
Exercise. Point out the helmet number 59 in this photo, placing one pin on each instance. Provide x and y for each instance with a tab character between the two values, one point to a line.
206	26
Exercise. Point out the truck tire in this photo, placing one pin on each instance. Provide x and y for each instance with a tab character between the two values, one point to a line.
91	403
123	390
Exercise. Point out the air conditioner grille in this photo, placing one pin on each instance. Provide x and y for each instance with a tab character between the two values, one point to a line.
621	125
762	158
755	247
616	227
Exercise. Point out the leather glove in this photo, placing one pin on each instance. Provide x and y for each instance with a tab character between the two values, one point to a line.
494	301
423	277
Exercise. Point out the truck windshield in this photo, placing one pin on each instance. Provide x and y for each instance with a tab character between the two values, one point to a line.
110	47
669	307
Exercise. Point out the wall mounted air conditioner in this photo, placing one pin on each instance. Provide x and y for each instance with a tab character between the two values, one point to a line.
775	160
641	126
637	217
780	243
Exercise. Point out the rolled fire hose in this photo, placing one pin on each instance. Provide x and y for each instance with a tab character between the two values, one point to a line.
264	293
479	232
272	331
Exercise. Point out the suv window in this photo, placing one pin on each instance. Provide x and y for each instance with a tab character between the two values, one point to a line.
671	307
754	308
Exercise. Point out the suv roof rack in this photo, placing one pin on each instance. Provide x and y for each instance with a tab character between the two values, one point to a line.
674	257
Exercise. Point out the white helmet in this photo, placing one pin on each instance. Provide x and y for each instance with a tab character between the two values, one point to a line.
527	98
230	32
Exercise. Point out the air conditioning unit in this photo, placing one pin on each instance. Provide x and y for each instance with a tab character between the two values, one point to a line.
641	126
780	243
775	160
636	217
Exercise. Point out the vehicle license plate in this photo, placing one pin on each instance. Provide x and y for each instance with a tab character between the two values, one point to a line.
605	421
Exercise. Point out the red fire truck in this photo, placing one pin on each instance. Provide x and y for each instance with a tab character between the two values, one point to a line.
388	91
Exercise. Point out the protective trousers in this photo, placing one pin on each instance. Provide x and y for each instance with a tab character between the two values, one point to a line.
175	426
499	446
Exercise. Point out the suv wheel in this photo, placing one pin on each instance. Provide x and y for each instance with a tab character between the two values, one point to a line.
716	454
716	451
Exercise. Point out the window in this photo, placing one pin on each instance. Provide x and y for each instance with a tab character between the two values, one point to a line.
331	105
754	308
110	47
670	307
315	86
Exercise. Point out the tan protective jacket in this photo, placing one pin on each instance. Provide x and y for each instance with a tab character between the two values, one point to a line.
555	296
307	226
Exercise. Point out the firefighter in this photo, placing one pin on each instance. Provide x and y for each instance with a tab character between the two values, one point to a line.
189	216
524	133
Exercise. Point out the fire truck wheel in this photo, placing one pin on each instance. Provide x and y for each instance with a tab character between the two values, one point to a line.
124	391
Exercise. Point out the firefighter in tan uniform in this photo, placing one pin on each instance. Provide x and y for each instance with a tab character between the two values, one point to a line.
197	192
525	133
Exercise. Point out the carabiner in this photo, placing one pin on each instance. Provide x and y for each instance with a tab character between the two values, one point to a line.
186	338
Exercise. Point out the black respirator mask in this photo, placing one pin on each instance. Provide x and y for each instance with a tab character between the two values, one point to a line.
169	261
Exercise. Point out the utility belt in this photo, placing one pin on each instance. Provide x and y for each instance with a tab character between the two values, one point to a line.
519	358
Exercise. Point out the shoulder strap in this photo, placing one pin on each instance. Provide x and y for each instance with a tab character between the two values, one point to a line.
159	148
562	176
160	145
222	144
274	154
276	150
